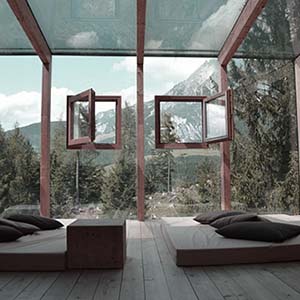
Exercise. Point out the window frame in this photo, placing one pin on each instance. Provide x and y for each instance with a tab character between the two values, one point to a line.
228	117
88	142
81	97
162	98
118	123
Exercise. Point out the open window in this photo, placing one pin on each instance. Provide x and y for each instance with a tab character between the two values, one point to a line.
86	128
172	113
218	118
183	122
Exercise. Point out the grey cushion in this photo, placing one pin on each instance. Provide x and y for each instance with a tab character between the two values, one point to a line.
23	227
221	222
209	217
9	234
41	222
260	231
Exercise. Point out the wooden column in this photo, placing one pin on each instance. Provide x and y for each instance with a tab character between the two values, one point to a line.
45	141
24	14
140	43
297	86
140	143
225	157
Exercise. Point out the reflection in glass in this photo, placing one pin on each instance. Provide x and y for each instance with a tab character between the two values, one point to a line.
216	118
180	122
81	119
105	120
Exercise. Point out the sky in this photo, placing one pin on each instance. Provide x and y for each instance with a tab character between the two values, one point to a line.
20	82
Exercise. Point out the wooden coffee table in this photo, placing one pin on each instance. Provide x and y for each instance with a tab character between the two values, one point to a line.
96	244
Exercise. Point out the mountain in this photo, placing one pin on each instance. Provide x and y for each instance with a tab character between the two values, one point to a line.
203	82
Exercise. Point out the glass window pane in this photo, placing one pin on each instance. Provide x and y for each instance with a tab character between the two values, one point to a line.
180	122
216	123
12	37
264	151
89	26
275	33
80	119
198	26
105	118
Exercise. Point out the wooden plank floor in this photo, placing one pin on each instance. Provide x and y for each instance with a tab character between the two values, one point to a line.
150	273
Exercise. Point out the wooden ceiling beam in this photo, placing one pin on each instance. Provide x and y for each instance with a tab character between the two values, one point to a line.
24	14
141	20
246	19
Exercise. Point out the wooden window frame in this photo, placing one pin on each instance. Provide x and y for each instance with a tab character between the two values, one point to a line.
203	100
228	117
158	100
81	97
88	142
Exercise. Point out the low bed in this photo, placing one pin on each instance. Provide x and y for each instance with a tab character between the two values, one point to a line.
194	244
41	251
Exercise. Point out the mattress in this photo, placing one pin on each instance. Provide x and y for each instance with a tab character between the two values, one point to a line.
41	251
195	244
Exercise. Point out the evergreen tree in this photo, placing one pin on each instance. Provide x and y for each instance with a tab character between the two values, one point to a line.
5	171
24	166
262	150
119	186
160	166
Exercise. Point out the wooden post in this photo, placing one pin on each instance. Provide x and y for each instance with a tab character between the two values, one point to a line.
140	43
24	14
225	157
297	87
140	143
45	142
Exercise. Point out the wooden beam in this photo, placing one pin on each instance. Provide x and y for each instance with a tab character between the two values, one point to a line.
141	16
23	12
249	14
297	86
141	20
140	144
45	142
225	157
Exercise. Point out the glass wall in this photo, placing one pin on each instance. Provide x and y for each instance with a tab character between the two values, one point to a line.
180	182
20	111
94	183
265	171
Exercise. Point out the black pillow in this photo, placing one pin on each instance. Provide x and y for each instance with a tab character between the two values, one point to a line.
25	228
9	234
260	231
221	222
41	222
207	218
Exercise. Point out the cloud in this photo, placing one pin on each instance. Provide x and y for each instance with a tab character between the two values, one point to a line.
24	107
85	39
162	68
216	28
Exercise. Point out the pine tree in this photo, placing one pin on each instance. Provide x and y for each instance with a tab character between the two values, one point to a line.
119	187
264	114
62	175
5	171
24	183
160	166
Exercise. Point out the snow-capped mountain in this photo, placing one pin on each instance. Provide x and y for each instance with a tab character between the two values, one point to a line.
186	116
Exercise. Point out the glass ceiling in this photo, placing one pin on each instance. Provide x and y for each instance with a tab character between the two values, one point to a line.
173	28
275	33
195	27
90	27
12	38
